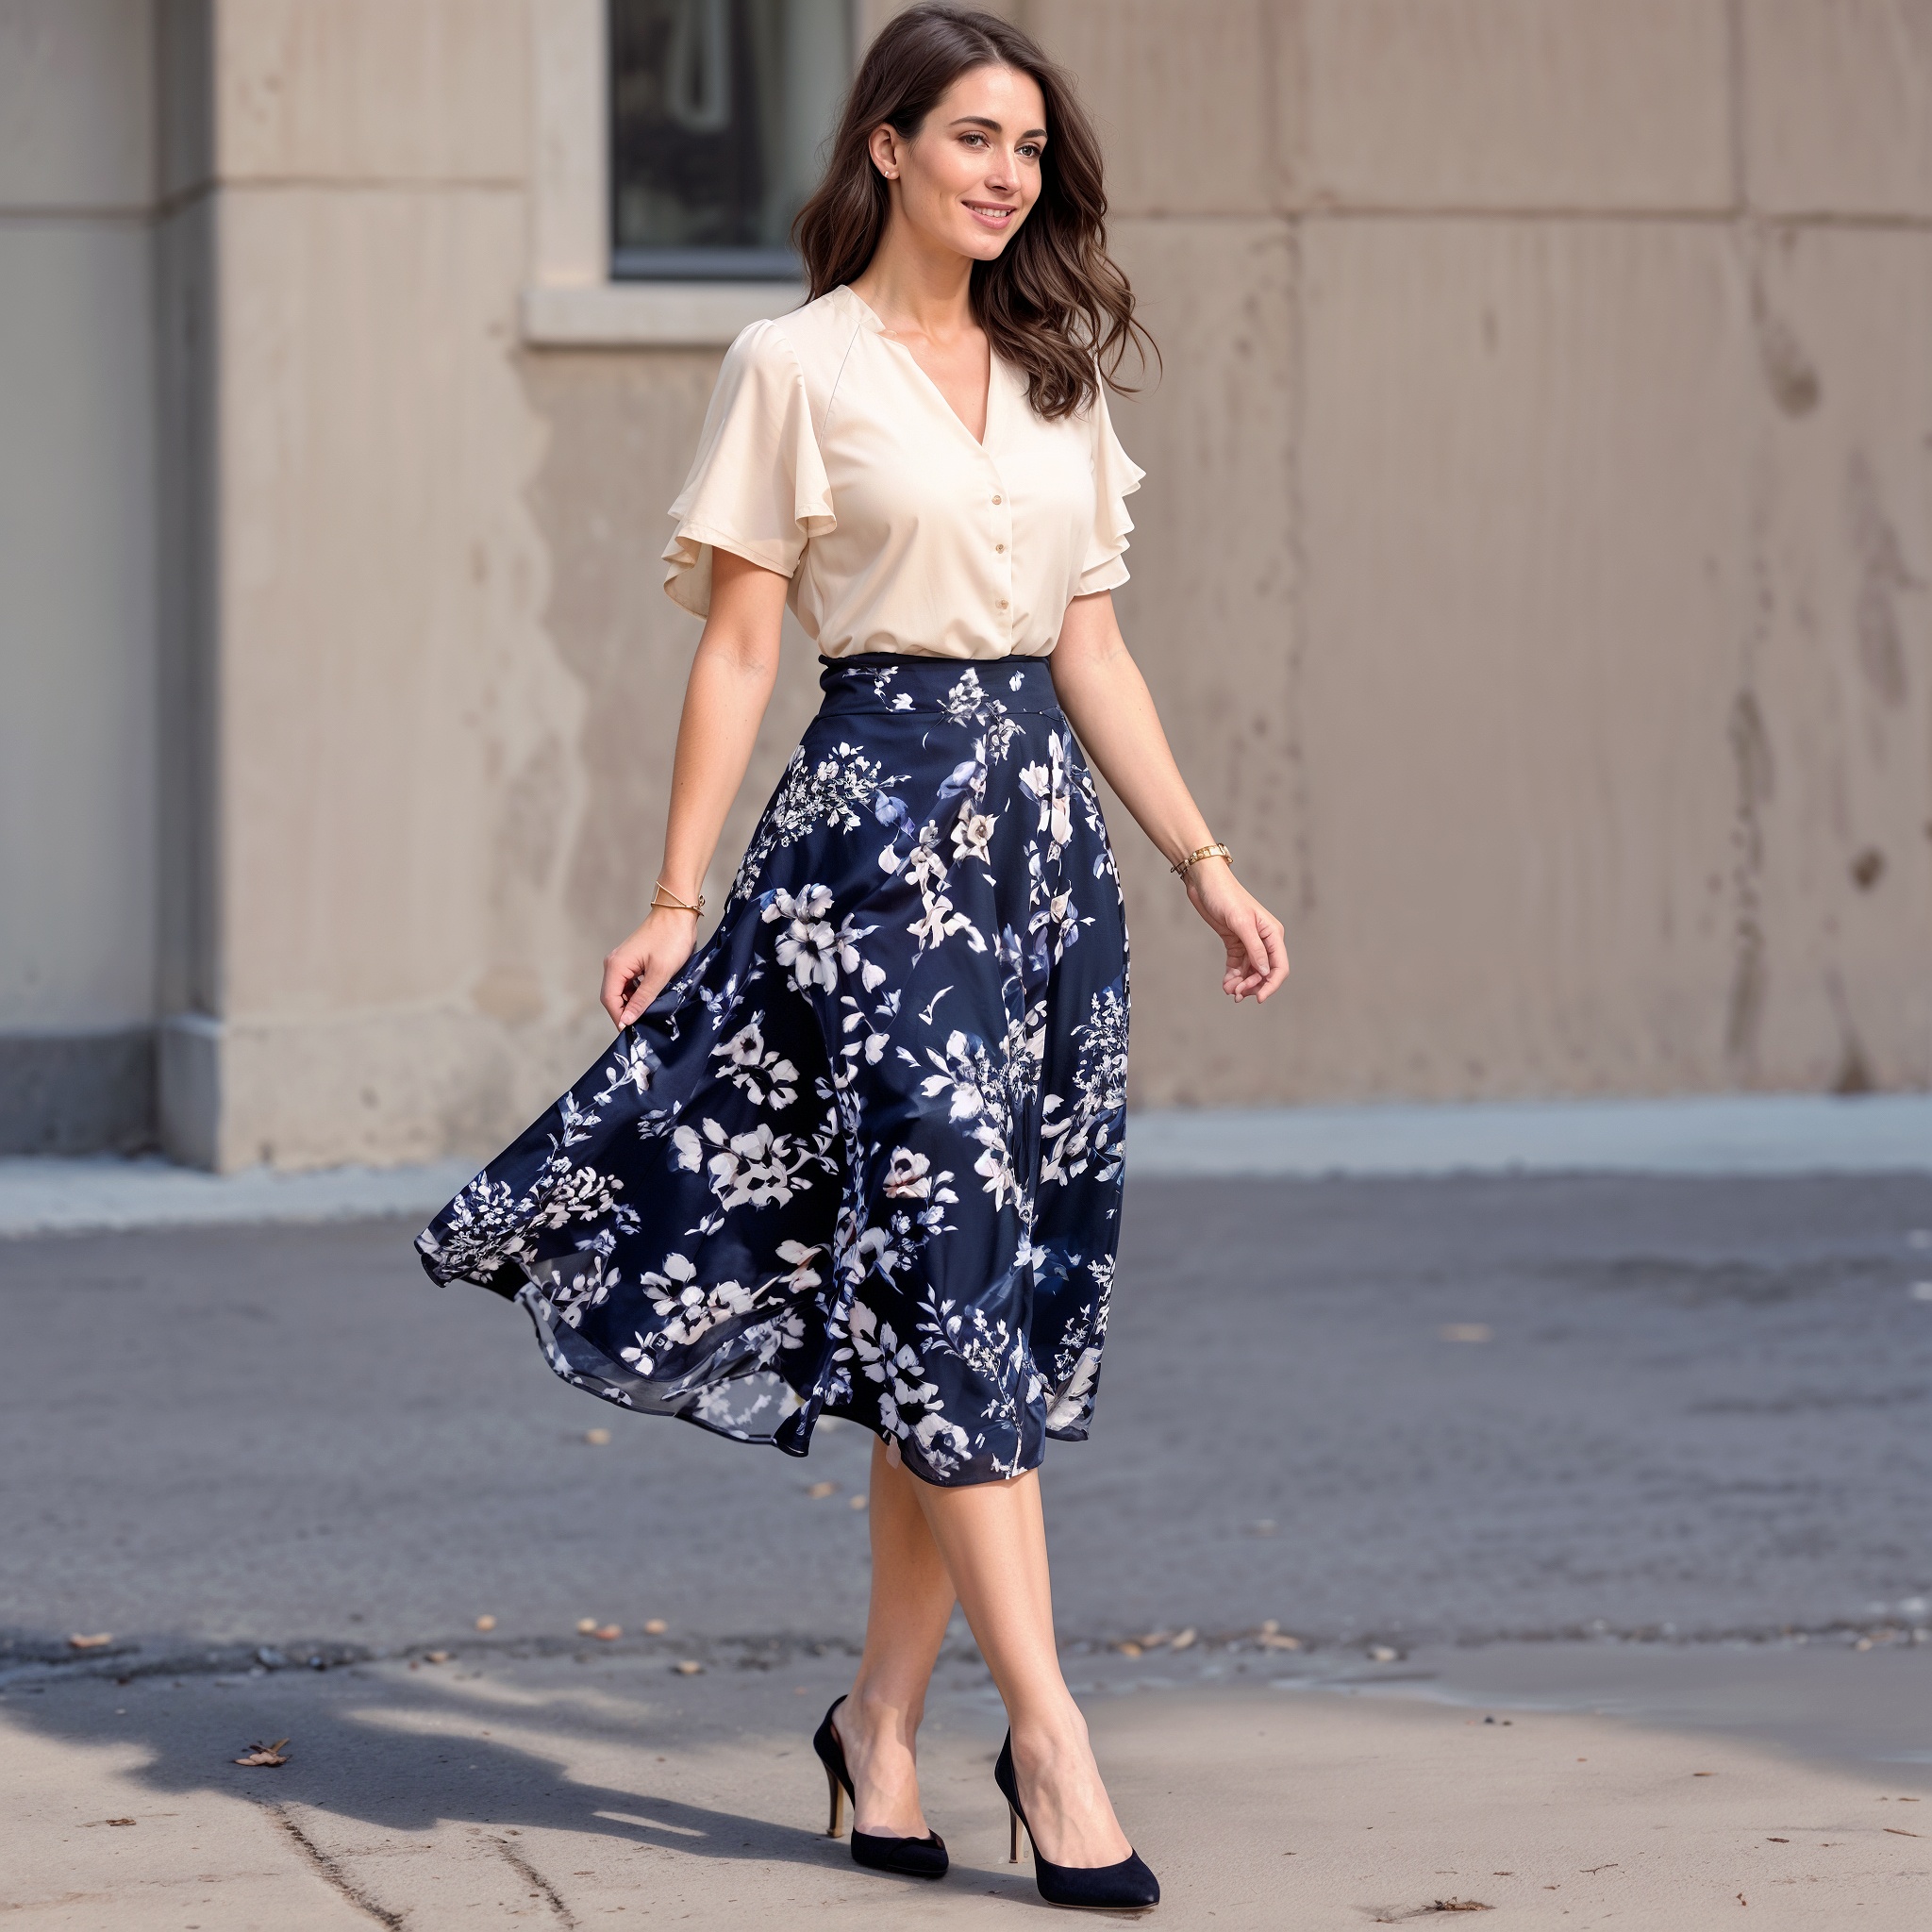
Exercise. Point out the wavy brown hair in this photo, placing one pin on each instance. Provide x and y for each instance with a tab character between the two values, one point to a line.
1052	302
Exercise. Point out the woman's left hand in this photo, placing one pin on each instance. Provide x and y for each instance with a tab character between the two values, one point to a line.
1257	953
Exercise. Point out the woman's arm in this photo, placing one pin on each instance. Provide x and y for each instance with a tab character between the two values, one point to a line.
725	700
1106	701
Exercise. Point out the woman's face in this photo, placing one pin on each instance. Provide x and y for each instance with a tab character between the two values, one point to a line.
966	180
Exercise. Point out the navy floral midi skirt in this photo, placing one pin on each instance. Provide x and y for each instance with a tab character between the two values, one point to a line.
862	1155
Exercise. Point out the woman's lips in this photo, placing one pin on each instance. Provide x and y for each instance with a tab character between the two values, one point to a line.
994	214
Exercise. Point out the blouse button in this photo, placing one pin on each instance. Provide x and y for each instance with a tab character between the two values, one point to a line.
1000	547
999	603
999	499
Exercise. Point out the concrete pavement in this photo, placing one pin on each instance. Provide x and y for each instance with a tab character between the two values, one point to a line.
1690	1407
495	1789
1434	1429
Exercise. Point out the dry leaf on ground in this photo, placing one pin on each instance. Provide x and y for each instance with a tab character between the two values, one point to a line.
656	1627
1429	1911
99	1642
688	1666
608	1633
820	1491
265	1753
596	1438
486	1622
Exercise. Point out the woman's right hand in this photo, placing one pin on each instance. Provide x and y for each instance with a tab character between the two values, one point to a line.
637	970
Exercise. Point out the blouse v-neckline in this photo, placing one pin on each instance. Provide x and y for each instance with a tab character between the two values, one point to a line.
983	442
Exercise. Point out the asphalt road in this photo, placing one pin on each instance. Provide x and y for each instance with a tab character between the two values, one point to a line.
1677	1407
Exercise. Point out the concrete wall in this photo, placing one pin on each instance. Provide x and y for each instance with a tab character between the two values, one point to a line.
1537	478
1532	567
78	669
386	963
1546	436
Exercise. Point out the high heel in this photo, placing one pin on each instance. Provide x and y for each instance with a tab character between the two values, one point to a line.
1128	1886
916	1857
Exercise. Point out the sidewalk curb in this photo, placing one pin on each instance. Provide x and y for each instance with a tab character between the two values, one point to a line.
1765	1135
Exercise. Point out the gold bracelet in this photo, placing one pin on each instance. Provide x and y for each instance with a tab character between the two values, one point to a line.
681	905
1217	850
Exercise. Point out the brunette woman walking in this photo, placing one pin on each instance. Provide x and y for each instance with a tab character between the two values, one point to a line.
859	1154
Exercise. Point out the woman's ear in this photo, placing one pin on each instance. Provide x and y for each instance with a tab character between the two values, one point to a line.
884	149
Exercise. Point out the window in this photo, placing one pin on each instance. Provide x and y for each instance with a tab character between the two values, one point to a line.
719	114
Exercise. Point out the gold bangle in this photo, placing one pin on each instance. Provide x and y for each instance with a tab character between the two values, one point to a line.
680	905
1217	850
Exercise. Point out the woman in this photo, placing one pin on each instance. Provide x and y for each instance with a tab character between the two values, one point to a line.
860	1155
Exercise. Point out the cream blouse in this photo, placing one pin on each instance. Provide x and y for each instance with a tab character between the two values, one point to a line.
829	456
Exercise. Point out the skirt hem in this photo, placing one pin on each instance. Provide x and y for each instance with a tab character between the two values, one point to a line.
527	1291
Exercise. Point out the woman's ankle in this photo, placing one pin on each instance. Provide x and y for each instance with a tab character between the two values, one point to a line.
1051	1734
876	1713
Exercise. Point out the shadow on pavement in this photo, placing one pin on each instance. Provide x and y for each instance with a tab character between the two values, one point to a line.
361	1750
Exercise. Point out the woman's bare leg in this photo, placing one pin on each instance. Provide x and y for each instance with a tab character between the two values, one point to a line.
992	1537
912	1604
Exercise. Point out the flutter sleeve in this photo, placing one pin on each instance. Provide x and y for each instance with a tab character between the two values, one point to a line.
1116	476
758	487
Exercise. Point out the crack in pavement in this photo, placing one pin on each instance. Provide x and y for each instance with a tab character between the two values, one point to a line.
329	1871
127	1664
520	1864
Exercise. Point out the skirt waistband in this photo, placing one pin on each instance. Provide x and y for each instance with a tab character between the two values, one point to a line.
901	681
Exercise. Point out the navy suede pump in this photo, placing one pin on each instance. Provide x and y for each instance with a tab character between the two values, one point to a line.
915	1857
1126	1887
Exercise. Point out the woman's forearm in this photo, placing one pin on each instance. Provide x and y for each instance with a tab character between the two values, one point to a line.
1108	703
1111	710
725	702
725	699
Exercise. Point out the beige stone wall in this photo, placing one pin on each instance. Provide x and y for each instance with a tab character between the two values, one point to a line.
387	964
1545	442
77	550
1532	568
77	506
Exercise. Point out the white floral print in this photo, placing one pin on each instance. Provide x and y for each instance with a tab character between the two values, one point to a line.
815	949
862	1157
